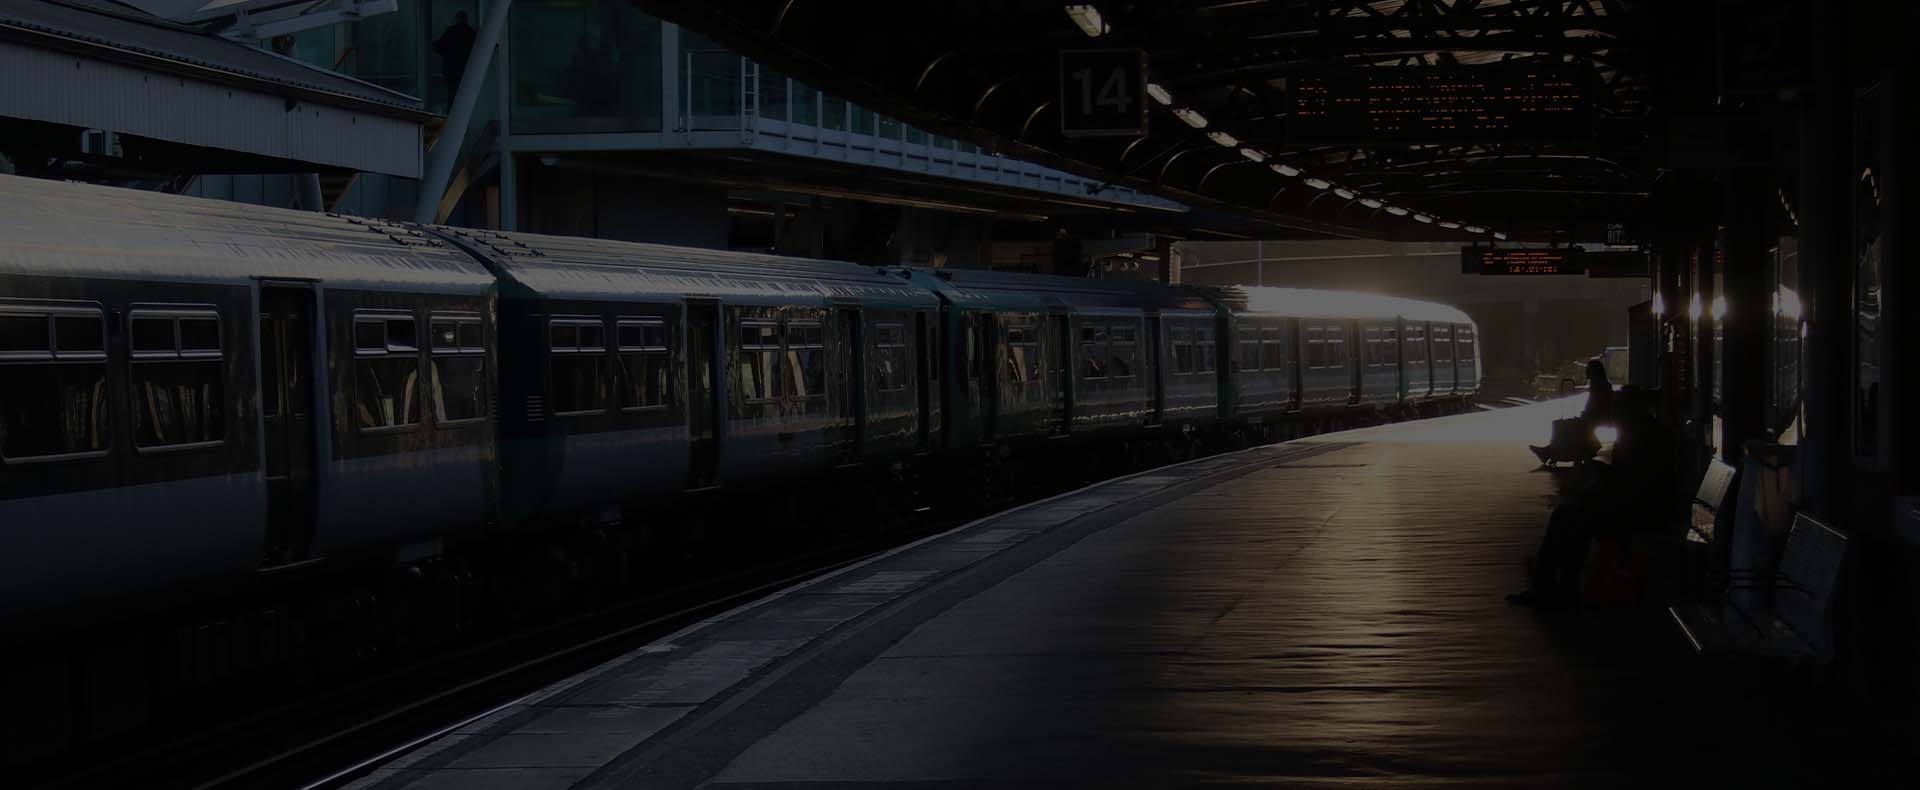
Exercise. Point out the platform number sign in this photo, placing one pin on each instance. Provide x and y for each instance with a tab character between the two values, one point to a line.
1103	92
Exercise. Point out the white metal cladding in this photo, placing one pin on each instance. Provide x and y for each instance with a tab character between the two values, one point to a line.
60	88
1315	303
81	230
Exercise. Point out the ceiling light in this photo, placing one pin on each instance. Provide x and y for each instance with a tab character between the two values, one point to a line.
1450	225
1499	235
1193	119
1158	93
1286	170
1343	192
1253	155
1396	211
1476	229
1369	202
1225	140
1318	183
1088	18
1422	218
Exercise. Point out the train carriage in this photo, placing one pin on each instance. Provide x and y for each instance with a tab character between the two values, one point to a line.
160	428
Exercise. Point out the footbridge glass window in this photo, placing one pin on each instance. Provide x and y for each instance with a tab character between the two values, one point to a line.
644	363
577	366
53	383
458	369
755	376
1125	338
890	357
585	67
178	377
386	370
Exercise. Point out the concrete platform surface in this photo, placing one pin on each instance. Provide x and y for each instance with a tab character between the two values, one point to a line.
1321	613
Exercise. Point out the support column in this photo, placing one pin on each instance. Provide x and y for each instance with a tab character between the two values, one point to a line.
310	197
1169	265
446	148
1700	329
1748	324
1826	266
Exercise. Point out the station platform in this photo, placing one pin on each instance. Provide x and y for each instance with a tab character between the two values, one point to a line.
1319	613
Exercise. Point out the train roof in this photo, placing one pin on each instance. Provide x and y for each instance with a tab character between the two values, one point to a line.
566	267
1018	290
1317	303
57	228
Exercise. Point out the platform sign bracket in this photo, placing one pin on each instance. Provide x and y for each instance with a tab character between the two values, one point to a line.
1103	92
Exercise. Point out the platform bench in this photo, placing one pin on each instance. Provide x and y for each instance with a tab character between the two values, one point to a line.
1789	617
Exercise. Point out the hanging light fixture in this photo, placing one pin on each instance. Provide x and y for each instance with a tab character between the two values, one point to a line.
1225	140
1318	183
1254	154
1370	203
1343	192
1192	117
1396	211
1159	94
1423	219
1286	170
1088	18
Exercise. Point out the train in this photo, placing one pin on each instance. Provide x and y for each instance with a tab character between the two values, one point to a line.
196	395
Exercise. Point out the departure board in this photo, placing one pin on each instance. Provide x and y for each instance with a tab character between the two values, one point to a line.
1514	260
1437	104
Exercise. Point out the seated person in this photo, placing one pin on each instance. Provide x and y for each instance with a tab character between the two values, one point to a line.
1573	439
1608	500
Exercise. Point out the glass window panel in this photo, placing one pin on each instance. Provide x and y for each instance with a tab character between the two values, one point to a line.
643	380
459	387
387	392
584	67
446	336
1124	348
805	105
888	128
628	335
80	334
52	409
471	336
564	337
833	113
154	334
654	335
593	337
178	403
773	94
23	333
577	383
915	136
711	77
402	334
863	120
203	334
1093	351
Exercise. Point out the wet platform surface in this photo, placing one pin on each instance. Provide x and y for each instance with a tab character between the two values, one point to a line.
1321	613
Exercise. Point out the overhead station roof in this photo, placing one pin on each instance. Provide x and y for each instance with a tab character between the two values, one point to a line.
988	71
96	64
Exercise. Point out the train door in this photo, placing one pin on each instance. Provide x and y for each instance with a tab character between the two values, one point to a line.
703	393
927	378
986	372
1058	353
1350	341
852	407
1156	371
286	408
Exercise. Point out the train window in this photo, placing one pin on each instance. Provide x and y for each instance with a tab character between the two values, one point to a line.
1093	351
386	371
1466	344
1443	345
1273	351
178	378
577	368
806	373
1205	349
53	383
890	373
1336	346
1416	344
756	377
1372	355
1249	347
1316	346
1390	346
1023	354
1180	337
1125	337
644	359
458	369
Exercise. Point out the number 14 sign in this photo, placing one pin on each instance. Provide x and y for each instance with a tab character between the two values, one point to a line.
1103	92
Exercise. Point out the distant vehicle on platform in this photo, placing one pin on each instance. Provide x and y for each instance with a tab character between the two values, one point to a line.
197	395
